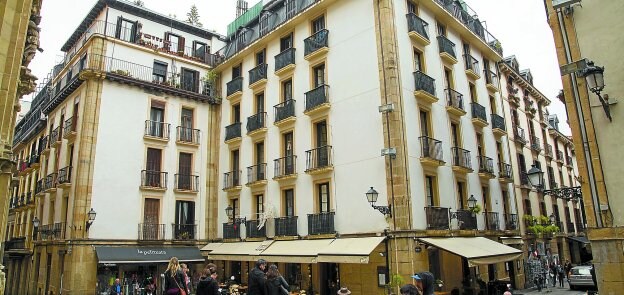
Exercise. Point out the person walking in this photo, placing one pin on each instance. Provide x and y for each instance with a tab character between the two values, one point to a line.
275	283
425	282
257	279
561	274
174	278
116	289
409	289
207	284
568	267
187	280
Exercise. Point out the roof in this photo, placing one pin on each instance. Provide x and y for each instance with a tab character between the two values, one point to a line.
130	7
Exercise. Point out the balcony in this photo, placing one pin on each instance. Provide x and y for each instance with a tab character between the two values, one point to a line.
535	144
498	125
285	168
39	187
569	161
231	231
189	136
454	102
466	220
491	221
233	133
231	181
155	130
256	175
518	133
553	185
570	227
486	167
15	244
418	29
491	80
424	90
319	160
50	183
560	157
154	180
321	223
437	218
184	183
461	160
285	61
51	232
284	113
44	147
64	177
317	100
286	226
56	136
431	151
251	227
69	129
151	232
234	88
524	180
258	76
33	162
316	45
511	222
447	50
505	173
184	232
471	65
548	151
256	124
479	115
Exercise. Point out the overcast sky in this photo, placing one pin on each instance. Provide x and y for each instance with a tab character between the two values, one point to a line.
520	26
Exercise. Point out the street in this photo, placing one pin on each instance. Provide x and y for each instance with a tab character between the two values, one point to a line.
553	291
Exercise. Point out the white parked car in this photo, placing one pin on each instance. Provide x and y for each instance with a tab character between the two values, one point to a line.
580	276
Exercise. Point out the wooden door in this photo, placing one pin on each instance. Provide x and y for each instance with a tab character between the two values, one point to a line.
184	171
152	173
151	213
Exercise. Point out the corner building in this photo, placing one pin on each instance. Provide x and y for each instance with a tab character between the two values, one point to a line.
115	162
301	136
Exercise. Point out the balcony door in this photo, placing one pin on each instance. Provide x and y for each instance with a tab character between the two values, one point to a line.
185	171
323	198
154	159
318	24
125	30
184	227
289	203
186	122
157	117
235	167
151	214
319	75
286	42
190	80
288	153
322	159
259	155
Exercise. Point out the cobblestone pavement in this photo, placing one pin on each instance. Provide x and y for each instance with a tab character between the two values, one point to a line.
552	291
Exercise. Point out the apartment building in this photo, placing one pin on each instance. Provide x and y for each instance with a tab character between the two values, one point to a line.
363	141
115	156
551	222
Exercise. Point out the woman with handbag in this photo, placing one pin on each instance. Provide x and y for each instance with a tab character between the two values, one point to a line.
174	279
275	283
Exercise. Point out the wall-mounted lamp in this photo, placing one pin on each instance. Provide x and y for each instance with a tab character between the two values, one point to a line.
371	196
229	211
594	76
91	215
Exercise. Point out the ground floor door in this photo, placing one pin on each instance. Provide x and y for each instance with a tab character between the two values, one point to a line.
329	275
512	273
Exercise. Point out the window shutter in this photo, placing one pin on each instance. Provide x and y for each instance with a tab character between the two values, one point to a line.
118	28
181	45
166	42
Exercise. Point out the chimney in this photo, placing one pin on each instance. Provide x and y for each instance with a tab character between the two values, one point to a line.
241	7
553	121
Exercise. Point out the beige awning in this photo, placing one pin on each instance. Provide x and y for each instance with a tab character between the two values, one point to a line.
477	250
297	251
512	240
211	246
240	251
349	250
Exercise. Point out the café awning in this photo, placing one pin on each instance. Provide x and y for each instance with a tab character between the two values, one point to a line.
477	250
296	251
582	240
239	251
112	254
349	250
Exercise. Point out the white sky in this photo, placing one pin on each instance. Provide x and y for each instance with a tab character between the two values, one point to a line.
521	26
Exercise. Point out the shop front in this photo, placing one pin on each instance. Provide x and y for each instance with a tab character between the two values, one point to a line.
141	268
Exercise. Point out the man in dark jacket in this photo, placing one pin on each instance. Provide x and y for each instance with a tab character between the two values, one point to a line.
425	282
207	284
257	279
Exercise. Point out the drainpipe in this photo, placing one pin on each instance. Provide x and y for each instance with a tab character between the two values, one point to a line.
386	242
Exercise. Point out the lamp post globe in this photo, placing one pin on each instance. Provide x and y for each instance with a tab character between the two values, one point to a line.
372	195
535	175
472	202
35	222
594	76
91	214
229	211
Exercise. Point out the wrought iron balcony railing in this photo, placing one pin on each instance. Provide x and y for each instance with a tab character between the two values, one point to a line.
505	171
50	181
231	179
416	24
64	175
319	157
186	182
424	83
284	110
548	150
69	126
184	231
560	156
286	226
154	179
491	77
316	97
258	73
454	99
486	165
231	231
446	46
519	135
491	221
498	122
511	222
471	63
535	143
431	148
524	178
233	131
321	223
188	135
461	158
55	135
437	217
157	129
285	58
256	173
251	227
234	86
478	111
466	219
257	121
315	42
151	231
285	166
569	160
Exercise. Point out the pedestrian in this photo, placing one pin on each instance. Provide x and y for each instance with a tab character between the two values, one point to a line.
409	289
553	274
187	280
561	273
507	291
116	288
257	279
424	282
343	291
275	283
174	278
207	284
568	268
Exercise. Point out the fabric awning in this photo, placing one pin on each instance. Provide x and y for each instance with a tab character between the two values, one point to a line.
297	251
211	246
478	250
582	240
240	251
512	240
110	254
349	250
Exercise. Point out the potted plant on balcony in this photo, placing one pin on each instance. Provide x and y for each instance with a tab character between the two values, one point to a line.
476	210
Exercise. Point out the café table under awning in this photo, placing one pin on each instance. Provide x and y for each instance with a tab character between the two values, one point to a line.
477	250
146	254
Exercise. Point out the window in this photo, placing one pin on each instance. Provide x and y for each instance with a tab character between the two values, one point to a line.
527	207
287	90
455	137
186	118
441	29
288	152
200	49
521	163
506	208
185	169
236	113
418	60
259	154
289	202
323	197
430	198
261	57
318	24
499	154
184	227
320	129
190	80
259	102
412	7
259	205
176	43
448	78
425	129
157	116
319	75
235	162
473	93
154	158
543	209
235	208
461	195
70	157
236	71
493	105
286	42
480	145
125	30
486	198
264	23
159	74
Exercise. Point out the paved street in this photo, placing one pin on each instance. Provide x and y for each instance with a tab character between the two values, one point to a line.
553	291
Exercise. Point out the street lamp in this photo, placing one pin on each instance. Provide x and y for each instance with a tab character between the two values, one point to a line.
536	177
91	215
472	202
229	211
594	76
371	196
553	218
35	222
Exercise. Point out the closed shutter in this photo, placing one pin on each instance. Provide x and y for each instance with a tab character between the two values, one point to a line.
118	28
181	45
